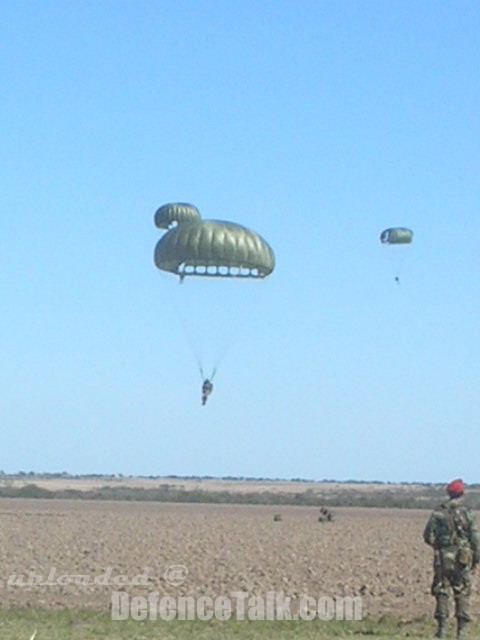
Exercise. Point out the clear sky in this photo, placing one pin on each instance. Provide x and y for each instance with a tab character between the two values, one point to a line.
317	124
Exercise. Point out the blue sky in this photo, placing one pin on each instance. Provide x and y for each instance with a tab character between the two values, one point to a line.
317	124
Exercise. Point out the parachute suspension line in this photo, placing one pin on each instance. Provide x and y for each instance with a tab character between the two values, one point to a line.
399	268
237	325
221	356
215	368
194	351
197	358
186	330
194	347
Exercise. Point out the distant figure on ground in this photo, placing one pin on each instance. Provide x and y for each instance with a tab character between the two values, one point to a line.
452	533
325	515
207	388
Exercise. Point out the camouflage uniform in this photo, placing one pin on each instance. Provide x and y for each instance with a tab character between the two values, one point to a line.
451	532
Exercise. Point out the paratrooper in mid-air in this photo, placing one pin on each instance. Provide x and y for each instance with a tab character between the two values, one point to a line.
207	388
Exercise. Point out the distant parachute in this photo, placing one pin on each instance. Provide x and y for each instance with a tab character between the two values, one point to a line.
209	247
397	235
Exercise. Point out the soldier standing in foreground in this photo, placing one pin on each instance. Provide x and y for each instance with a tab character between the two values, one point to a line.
451	532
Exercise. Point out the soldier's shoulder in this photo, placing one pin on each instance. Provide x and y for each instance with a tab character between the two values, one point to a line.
460	505
441	508
436	515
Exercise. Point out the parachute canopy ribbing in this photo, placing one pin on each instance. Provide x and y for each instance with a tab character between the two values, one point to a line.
214	248
397	235
176	212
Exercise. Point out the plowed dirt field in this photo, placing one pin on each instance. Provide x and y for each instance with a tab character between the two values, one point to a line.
58	553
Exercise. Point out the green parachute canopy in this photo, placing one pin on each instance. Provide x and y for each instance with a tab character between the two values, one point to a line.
175	213
214	248
397	235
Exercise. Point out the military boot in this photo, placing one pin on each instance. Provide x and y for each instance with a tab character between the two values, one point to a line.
442	628
461	628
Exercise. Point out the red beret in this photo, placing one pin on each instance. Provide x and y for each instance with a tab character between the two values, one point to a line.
455	488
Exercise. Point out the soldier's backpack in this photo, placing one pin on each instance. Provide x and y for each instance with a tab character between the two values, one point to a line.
458	525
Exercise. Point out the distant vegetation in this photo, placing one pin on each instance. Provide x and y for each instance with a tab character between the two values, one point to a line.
410	496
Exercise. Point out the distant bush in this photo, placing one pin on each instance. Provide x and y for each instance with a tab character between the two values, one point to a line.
33	491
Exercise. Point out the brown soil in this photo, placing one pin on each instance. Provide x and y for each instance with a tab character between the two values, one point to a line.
376	553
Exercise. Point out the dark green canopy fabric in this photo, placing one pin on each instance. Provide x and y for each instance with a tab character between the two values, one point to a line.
214	248
397	235
175	212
